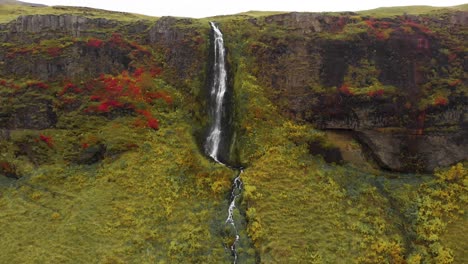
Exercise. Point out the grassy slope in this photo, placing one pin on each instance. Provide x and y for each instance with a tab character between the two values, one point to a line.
160	202
10	12
410	10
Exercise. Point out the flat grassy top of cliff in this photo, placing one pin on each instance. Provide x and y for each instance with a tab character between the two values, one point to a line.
9	12
410	10
255	13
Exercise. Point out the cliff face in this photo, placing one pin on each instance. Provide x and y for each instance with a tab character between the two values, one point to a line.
397	85
24	37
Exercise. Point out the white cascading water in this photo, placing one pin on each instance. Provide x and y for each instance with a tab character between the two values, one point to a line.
236	191
218	90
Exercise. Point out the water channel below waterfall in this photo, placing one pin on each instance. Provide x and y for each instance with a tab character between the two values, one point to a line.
216	133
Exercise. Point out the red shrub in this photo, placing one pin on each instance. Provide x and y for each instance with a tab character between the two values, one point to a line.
116	39
440	100
40	85
129	92
84	145
47	140
96	43
344	89
155	71
138	72
95	98
54	51
150	120
418	26
370	23
107	105
159	95
70	87
455	83
375	93
451	57
381	35
153	123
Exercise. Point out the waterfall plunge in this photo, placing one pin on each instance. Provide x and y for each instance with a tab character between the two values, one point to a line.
218	90
213	140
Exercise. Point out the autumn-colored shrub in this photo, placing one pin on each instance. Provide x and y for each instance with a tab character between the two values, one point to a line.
417	26
138	72
158	95
8	84
133	92
155	71
116	39
376	93
107	105
36	84
151	122
70	87
455	82
54	51
46	139
96	43
370	23
344	89
440	100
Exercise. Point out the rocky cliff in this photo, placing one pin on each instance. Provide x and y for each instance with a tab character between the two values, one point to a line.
396	84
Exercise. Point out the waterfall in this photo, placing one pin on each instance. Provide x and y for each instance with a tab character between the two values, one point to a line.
218	90
213	140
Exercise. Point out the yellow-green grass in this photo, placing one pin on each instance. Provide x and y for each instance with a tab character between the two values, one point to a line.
410	10
301	210
11	12
160	201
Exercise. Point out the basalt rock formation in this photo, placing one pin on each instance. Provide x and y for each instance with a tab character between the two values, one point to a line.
395	84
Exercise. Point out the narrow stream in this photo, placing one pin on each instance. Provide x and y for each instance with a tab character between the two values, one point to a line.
236	191
213	140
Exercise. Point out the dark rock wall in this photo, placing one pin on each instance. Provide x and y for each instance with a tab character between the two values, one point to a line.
308	64
303	59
